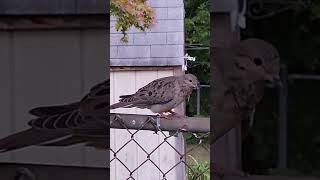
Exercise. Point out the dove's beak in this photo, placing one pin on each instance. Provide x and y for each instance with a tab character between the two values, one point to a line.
277	81
198	86
274	82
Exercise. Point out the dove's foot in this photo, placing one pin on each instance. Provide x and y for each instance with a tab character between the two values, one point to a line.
222	172
161	115
176	115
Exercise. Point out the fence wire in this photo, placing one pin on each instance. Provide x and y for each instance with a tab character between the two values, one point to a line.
155	123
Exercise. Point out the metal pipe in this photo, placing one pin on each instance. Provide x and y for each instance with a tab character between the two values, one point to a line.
198	101
304	76
135	121
282	129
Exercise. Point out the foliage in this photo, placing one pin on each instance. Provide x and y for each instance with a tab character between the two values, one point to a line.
199	170
197	27
136	13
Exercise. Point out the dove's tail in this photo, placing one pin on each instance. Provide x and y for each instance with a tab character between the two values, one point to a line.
52	110
96	142
120	105
28	137
124	102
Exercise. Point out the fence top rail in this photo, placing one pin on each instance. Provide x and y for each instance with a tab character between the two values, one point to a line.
304	76
254	177
150	122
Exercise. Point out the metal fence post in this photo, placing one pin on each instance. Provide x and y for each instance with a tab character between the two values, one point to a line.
283	109
198	101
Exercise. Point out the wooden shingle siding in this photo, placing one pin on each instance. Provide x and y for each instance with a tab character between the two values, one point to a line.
40	68
11	23
149	55
132	156
162	45
53	7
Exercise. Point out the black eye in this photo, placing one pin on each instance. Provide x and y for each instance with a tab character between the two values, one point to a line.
190	80
257	61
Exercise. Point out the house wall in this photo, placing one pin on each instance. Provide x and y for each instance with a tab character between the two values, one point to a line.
48	67
227	150
163	45
147	56
132	155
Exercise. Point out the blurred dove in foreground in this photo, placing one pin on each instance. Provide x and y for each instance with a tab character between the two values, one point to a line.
240	74
85	121
160	95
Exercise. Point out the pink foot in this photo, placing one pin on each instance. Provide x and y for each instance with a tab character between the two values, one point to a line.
174	114
161	115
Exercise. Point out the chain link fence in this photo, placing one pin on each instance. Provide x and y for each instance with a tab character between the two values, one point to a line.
195	127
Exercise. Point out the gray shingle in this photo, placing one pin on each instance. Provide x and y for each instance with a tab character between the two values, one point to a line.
176	13
133	51
147	62
161	13
162	45
149	38
167	51
175	38
175	25
53	7
175	3
115	39
113	51
158	3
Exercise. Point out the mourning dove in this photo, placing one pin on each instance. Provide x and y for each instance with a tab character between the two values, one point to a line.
160	95
240	74
85	121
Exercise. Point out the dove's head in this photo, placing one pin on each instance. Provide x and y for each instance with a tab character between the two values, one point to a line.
257	60
191	81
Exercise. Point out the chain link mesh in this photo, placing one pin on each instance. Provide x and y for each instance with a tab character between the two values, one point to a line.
193	173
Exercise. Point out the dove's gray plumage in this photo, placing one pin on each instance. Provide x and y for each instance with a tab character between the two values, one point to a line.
160	95
240	74
85	121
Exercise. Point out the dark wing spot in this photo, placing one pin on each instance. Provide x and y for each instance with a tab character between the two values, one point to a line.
162	93
149	93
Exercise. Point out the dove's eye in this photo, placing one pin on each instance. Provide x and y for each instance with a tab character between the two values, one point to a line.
257	61
190	80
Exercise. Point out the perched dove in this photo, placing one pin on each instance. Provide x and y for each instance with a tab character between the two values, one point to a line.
160	95
85	121
240	74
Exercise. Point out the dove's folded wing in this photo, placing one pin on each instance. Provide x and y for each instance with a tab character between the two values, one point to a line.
160	91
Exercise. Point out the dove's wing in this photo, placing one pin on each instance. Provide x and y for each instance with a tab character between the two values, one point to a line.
159	91
66	124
